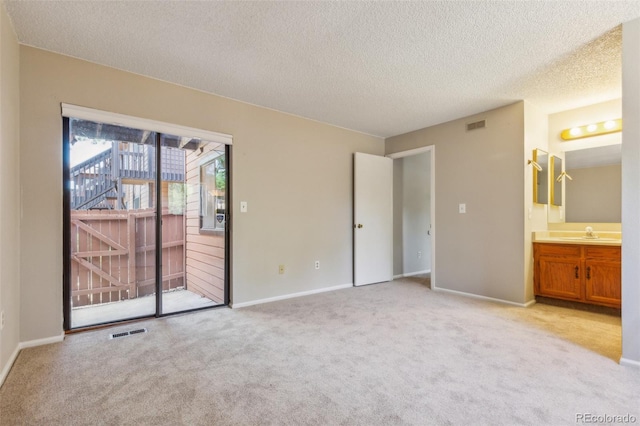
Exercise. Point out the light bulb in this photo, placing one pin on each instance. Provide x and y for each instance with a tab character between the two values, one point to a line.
609	124
575	131
592	127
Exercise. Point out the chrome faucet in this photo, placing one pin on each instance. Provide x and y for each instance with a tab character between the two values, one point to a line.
589	231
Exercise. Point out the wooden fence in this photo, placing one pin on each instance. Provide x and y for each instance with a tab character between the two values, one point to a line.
113	254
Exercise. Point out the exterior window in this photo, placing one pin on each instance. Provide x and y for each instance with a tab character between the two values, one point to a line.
213	180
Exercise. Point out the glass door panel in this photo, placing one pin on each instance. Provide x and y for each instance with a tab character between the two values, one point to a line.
112	226
193	194
120	263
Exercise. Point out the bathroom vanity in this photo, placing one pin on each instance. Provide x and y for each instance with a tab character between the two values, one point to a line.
575	268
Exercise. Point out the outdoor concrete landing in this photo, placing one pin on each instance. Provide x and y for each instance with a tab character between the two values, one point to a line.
173	301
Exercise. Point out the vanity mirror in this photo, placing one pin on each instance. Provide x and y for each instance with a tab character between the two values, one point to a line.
594	195
540	176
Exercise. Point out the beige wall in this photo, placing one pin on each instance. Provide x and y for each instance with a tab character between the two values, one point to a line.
295	174
594	194
480	252
630	193
9	192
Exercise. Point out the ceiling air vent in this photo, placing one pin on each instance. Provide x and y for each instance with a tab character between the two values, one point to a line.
477	125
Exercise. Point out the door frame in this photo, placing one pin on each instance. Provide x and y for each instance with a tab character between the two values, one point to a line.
66	216
432	191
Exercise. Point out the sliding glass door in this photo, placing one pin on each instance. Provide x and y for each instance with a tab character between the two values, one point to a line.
194	224
145	223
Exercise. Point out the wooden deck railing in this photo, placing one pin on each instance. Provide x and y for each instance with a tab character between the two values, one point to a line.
96	179
113	254
91	181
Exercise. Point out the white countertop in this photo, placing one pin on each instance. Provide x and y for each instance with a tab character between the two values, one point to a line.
578	237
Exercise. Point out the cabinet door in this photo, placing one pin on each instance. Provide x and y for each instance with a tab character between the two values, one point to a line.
603	282
560	277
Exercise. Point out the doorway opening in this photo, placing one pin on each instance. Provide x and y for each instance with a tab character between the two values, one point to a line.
145	223
414	214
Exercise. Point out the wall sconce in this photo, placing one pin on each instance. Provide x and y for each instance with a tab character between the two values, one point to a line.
536	165
595	129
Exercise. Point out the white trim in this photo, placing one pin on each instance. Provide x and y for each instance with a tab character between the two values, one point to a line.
91	114
24	345
629	363
290	296
489	299
411	274
9	365
432	213
432	194
410	152
40	342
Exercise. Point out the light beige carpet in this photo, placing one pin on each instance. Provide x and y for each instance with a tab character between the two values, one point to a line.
385	354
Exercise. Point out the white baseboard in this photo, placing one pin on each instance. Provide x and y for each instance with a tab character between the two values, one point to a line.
24	345
8	365
491	299
290	296
629	363
411	274
40	342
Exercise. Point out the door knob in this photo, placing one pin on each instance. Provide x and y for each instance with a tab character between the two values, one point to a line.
358	225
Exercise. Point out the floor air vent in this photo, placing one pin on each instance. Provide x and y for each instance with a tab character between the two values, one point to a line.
127	333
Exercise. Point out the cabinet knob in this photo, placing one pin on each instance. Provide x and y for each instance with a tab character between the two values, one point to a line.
588	272
577	270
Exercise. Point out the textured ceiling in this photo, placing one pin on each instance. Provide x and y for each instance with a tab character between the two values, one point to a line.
382	68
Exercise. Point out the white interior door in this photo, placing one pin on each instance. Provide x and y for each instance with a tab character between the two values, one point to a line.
373	219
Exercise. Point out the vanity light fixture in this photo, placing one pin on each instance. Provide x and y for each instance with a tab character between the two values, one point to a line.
536	165
563	174
595	129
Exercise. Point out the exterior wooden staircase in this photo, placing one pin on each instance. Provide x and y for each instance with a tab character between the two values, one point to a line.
97	183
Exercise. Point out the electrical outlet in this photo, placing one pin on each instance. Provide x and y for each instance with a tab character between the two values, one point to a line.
317	264
419	254
281	269
1	320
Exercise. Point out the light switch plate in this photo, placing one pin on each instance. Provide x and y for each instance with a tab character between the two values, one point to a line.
243	206
462	208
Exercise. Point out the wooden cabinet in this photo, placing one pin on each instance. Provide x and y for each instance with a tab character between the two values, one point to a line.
582	273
